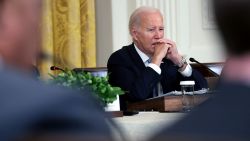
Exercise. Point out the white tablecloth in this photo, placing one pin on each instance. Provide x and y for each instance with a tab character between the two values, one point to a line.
144	125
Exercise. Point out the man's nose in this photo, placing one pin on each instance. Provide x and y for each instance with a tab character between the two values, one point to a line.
157	34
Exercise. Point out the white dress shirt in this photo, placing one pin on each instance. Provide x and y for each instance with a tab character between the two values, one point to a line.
186	73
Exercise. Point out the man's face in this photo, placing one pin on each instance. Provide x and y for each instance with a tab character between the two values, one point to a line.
148	33
19	31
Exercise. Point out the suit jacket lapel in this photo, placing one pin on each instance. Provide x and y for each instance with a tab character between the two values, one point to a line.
135	57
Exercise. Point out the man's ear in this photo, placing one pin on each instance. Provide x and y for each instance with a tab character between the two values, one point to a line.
134	33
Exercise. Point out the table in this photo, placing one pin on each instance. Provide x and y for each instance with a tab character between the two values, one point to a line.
144	125
168	103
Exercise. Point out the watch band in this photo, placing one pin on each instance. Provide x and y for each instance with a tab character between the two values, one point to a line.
183	62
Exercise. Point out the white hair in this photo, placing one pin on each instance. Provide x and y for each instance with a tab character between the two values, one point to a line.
135	18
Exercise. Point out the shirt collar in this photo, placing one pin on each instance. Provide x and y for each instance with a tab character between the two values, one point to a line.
143	56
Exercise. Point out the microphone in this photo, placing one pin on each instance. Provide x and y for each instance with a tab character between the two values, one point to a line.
53	68
44	56
193	60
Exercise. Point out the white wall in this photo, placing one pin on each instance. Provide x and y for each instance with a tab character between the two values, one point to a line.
104	36
184	22
205	43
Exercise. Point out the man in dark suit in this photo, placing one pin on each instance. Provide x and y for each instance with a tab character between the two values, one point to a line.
226	116
150	62
29	109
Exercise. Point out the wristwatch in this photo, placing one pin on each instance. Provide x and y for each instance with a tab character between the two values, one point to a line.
183	62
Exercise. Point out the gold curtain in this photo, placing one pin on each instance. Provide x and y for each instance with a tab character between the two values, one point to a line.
68	28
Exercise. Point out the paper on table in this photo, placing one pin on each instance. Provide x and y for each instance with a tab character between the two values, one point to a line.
202	91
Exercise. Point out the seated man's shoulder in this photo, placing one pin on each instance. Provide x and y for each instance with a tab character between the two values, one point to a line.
121	54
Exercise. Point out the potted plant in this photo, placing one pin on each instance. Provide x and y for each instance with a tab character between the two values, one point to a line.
106	93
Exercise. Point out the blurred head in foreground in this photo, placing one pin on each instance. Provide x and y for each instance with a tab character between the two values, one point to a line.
19	32
233	20
224	116
30	110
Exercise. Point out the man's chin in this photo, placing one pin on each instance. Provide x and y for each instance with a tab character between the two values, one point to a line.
152	50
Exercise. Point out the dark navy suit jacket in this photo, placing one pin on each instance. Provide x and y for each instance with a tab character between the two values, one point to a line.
226	116
127	70
28	107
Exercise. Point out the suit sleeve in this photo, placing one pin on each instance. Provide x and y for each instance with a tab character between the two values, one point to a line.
137	87
200	81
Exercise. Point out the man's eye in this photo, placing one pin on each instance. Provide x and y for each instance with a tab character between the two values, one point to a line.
151	30
161	29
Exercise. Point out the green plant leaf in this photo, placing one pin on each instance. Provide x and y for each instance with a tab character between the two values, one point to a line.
102	89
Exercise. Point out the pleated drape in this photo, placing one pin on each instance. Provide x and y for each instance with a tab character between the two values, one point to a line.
69	39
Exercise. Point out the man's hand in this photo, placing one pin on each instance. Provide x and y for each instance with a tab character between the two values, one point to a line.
160	52
172	53
166	48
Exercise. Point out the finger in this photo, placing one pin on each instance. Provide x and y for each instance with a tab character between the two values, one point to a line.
167	47
169	51
160	44
161	41
170	45
168	41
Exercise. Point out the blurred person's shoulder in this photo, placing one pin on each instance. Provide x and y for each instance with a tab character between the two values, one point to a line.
224	116
13	82
29	105
17	85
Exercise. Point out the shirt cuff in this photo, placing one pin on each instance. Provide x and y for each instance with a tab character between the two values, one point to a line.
187	72
155	68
